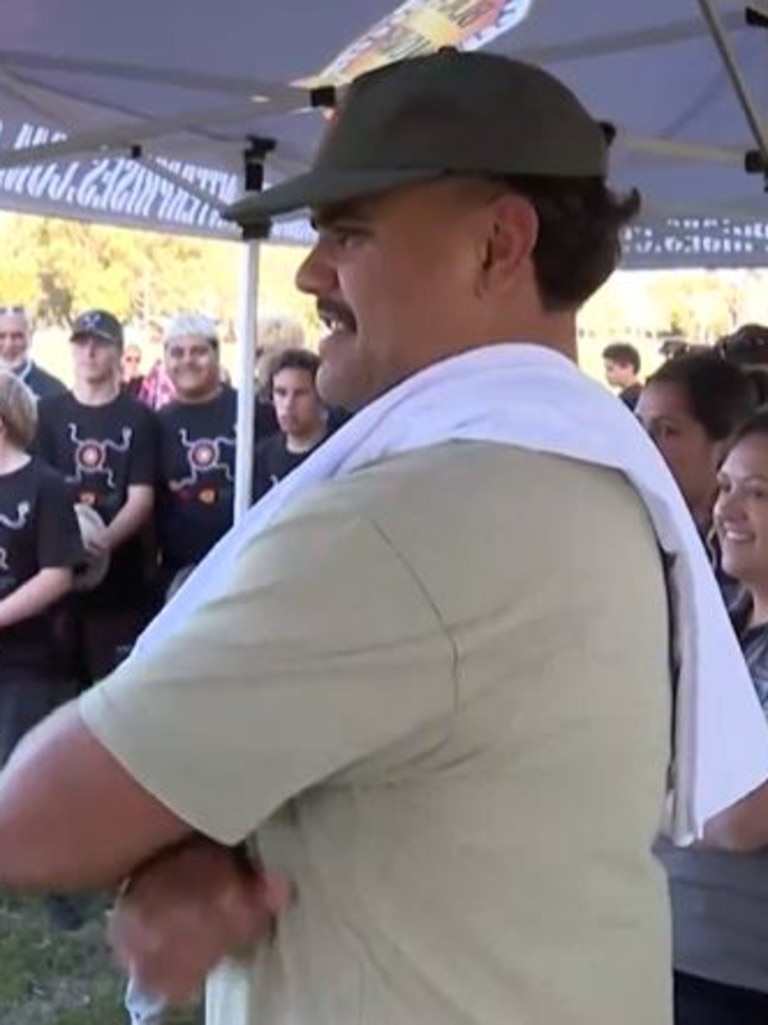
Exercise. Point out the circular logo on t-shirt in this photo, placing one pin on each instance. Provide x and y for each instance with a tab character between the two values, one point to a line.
203	455
91	456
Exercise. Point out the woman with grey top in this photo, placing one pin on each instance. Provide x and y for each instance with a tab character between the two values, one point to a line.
720	900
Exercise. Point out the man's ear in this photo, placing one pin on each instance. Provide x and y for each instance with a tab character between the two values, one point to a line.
512	233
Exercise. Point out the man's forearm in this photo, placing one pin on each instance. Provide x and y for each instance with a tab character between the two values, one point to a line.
130	520
35	596
743	828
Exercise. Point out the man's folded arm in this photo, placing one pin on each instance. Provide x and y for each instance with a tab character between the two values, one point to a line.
72	816
322	650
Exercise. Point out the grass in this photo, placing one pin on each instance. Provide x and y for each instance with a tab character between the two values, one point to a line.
54	978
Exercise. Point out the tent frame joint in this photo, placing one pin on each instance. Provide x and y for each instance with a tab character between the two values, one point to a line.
254	157
755	163
324	97
755	18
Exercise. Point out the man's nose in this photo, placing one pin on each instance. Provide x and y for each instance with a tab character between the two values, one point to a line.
317	274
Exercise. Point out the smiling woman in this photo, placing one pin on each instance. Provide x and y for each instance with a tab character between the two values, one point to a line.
741	517
719	899
692	407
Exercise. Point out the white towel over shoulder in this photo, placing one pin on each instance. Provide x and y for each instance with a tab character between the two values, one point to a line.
534	398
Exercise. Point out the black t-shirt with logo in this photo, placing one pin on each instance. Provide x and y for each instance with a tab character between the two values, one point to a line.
273	462
197	477
198	444
102	451
38	530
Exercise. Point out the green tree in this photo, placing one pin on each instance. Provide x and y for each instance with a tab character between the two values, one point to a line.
58	268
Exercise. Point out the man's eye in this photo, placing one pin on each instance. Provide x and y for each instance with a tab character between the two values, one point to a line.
756	493
345	236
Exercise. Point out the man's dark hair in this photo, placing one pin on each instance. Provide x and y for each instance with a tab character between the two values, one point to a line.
720	396
747	346
757	424
624	354
579	243
294	359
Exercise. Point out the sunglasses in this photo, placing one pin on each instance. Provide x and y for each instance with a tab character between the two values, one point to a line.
13	310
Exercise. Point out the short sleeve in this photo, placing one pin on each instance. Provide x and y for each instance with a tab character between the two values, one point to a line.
323	650
59	543
145	448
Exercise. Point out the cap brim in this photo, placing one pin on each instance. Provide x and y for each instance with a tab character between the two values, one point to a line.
95	334
320	188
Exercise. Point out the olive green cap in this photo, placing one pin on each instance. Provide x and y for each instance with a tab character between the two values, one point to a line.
446	113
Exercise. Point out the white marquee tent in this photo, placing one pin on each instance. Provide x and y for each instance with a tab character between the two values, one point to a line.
141	113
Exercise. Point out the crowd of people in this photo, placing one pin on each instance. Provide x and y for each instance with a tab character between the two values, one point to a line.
705	409
113	490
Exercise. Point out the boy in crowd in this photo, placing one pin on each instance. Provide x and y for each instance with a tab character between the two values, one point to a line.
622	369
301	415
105	444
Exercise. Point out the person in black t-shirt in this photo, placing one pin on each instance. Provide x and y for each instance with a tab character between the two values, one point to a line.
303	420
197	447
105	444
622	369
15	337
39	549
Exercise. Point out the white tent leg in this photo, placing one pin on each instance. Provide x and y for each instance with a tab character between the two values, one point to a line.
245	378
229	989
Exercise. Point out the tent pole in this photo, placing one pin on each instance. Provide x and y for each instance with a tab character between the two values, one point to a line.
253	159
229	988
246	376
738	81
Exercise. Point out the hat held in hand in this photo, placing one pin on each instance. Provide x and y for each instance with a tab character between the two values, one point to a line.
95	567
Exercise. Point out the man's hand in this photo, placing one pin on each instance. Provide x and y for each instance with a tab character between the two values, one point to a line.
185	912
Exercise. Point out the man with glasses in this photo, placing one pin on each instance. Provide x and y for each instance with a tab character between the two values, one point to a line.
15	339
130	370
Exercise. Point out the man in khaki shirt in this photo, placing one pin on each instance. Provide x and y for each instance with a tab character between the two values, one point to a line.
414	692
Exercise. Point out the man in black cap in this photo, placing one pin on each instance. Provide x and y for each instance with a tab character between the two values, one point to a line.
401	669
104	442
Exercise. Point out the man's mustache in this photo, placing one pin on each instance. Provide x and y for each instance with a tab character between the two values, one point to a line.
332	310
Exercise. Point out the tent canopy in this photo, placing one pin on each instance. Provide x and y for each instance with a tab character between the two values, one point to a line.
140	114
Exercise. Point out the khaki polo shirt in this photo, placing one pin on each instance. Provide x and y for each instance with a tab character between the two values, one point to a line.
438	691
